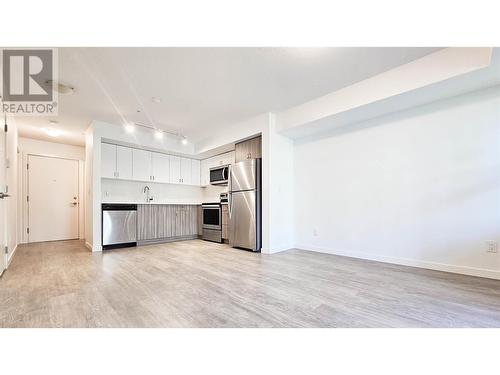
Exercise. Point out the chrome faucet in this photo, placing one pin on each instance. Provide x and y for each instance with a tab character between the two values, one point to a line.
146	191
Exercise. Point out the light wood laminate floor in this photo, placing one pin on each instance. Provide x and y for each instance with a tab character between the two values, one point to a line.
202	284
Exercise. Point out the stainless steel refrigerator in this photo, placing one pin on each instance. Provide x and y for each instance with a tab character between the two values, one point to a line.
245	229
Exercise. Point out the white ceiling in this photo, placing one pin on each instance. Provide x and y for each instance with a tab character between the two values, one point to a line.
201	89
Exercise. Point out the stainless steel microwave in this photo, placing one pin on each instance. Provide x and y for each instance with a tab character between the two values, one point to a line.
219	175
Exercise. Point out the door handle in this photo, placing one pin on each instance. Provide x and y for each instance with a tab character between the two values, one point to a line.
74	203
3	195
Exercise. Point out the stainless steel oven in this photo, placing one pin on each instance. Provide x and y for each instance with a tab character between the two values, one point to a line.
212	222
219	175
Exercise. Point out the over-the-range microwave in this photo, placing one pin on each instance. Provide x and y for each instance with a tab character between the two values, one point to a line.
219	175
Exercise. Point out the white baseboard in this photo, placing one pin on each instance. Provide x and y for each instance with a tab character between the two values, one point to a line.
464	270
93	248
274	251
9	259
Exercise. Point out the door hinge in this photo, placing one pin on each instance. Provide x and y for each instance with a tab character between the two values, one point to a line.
27	198
6	249
6	128
27	166
28	230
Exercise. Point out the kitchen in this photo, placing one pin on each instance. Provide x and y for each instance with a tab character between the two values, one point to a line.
181	198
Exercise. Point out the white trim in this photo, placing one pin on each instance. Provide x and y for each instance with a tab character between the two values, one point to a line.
88	246
275	250
464	270
9	258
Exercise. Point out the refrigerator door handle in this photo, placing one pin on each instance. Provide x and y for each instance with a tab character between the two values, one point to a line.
230	193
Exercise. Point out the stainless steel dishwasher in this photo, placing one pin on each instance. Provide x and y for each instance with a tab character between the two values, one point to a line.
119	225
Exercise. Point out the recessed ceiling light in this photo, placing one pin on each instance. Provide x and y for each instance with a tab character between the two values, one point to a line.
61	88
184	141
129	128
156	99
52	132
158	134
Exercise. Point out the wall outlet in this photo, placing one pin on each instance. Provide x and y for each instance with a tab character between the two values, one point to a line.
491	246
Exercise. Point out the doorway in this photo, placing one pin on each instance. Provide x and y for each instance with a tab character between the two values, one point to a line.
3	206
53	199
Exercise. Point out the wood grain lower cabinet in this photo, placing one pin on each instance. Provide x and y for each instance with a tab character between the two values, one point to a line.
200	221
225	222
157	222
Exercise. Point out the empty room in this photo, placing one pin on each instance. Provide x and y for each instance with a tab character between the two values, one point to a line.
349	188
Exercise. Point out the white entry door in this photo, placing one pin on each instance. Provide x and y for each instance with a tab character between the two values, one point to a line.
52	199
3	206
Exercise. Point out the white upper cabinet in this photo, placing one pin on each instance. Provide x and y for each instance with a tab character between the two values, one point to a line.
175	169
108	160
186	171
226	159
123	163
141	165
195	172
204	174
160	170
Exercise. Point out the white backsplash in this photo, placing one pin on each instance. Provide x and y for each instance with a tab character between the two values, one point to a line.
212	193
133	191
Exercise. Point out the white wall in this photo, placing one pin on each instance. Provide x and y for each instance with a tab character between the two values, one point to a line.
35	146
281	190
28	146
11	179
89	186
421	187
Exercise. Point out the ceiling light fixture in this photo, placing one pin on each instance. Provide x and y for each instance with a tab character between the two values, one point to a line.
158	134
61	88
129	128
52	132
156	99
